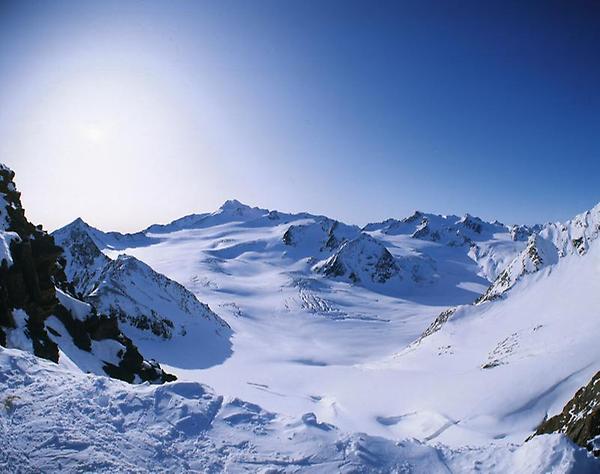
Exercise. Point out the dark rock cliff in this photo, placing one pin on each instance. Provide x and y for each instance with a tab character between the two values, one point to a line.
29	283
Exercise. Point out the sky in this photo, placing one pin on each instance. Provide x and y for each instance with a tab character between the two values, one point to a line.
140	112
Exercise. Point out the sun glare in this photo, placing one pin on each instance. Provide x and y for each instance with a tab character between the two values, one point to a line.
94	133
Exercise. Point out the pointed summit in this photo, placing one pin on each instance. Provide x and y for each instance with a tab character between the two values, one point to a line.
79	222
233	204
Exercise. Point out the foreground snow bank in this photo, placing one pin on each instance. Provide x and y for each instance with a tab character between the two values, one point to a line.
52	419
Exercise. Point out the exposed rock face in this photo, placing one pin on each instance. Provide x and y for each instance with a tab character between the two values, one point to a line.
360	259
84	260
29	275
580	418
437	323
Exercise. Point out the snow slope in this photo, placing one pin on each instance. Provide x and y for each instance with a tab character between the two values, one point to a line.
553	242
54	419
517	359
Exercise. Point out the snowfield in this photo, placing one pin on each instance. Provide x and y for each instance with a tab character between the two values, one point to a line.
53	419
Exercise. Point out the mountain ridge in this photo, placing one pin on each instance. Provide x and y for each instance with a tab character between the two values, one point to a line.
38	309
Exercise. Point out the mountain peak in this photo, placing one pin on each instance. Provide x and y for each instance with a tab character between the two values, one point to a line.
79	222
233	204
235	208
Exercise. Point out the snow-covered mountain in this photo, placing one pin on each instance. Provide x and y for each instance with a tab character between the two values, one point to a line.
318	235
331	330
429	249
451	230
38	313
366	260
231	210
537	342
129	289
84	261
490	245
156	312
360	259
553	242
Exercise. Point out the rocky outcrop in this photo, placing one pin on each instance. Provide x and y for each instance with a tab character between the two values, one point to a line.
359	260
29	277
580	418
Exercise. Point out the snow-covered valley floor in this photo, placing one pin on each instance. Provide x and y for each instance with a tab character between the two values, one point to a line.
56	420
300	342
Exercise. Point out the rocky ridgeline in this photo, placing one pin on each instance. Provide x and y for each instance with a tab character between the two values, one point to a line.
30	271
544	248
453	231
553	242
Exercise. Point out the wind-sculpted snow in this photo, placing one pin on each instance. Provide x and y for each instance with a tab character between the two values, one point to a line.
55	420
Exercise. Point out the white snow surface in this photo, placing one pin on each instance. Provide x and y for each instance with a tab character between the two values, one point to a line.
6	238
55	420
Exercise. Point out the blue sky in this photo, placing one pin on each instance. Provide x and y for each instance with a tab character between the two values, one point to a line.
130	113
